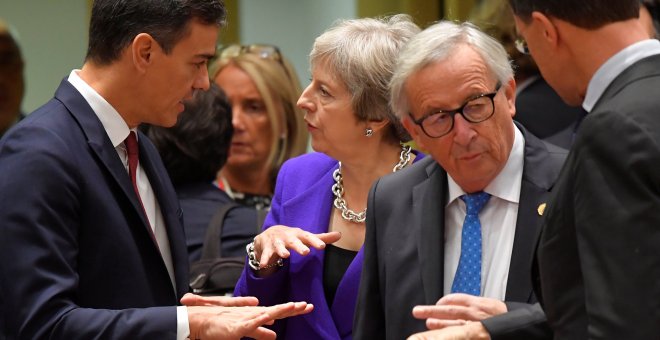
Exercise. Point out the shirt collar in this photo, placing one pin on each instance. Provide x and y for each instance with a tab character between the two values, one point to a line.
615	66
112	122
506	185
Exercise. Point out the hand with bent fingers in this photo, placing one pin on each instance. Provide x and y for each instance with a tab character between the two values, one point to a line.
216	322
274	243
469	331
456	309
226	301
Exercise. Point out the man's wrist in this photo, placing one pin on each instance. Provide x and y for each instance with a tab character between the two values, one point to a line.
477	331
182	324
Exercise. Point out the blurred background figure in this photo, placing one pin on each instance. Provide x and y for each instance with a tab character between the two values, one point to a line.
649	14
193	151
12	85
262	88
538	107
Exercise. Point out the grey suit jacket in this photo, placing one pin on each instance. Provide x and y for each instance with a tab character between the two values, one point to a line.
598	253
404	246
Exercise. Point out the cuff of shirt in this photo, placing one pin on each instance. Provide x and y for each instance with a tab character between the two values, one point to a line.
182	326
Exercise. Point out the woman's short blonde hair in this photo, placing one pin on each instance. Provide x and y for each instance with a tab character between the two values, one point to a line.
277	83
362	54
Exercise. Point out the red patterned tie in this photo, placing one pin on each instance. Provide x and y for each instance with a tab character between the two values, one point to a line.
133	158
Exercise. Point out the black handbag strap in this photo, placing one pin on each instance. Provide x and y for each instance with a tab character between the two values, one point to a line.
212	241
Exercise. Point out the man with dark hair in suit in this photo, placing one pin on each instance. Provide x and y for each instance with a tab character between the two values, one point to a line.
598	255
12	83
92	239
466	219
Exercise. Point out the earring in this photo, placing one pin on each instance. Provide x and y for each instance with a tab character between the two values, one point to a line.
369	132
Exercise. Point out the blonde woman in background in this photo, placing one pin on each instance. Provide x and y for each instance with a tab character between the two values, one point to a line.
263	88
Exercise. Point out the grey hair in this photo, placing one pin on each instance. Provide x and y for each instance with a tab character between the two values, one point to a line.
362	53
436	43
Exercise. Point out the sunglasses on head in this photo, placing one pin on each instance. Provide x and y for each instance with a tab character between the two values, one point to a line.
263	51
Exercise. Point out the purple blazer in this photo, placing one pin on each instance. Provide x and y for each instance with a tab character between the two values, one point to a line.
303	199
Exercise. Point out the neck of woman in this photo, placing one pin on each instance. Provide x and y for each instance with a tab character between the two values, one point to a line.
245	181
359	173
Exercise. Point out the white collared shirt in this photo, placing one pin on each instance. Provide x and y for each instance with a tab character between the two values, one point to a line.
498	224
117	129
614	66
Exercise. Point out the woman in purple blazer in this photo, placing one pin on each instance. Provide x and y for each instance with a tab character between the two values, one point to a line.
320	199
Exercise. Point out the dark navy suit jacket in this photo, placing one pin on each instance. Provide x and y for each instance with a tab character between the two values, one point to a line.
76	257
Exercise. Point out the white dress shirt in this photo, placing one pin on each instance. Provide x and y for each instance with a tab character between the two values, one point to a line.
118	131
498	225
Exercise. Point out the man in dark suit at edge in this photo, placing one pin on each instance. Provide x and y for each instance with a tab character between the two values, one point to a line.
598	256
454	91
92	240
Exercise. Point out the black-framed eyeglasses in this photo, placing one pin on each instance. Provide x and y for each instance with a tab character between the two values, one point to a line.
475	110
263	51
521	46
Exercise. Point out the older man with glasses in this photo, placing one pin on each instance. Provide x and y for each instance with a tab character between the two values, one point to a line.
450	240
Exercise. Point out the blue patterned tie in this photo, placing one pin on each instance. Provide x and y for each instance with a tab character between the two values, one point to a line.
468	274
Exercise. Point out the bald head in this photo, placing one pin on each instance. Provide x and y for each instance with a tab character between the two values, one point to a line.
11	78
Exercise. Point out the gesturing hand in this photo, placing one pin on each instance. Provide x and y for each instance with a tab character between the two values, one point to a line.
275	242
470	331
225	301
208	322
456	309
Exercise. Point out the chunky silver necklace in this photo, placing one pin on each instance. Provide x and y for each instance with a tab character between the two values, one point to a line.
338	188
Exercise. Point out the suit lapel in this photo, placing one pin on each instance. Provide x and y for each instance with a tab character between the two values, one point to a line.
528	226
539	173
99	142
169	209
343	306
428	218
310	210
313	208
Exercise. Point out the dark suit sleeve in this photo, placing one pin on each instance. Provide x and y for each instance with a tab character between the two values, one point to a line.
522	321
617	220
40	194
369	320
